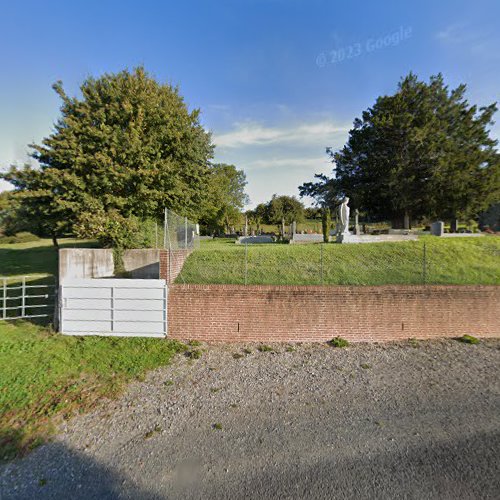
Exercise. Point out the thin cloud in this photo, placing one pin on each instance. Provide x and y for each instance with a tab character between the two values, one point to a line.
477	43
305	163
451	34
255	134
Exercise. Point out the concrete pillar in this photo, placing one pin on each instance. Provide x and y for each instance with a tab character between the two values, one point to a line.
406	222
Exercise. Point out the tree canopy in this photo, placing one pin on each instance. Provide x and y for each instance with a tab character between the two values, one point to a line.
279	208
422	152
227	197
127	147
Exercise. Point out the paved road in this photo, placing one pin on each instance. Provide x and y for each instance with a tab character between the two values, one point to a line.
393	421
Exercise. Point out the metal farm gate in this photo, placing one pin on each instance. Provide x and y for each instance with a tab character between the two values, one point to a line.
113	307
26	297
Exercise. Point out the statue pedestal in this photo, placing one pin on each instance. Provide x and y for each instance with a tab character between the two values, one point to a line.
344	238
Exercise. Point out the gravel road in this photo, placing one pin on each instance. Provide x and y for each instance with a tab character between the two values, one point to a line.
408	420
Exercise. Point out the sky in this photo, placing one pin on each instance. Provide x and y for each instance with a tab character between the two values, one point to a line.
277	81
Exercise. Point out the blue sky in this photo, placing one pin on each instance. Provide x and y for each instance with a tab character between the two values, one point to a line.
277	81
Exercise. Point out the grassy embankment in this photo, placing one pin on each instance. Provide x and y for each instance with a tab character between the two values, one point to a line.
464	260
45	376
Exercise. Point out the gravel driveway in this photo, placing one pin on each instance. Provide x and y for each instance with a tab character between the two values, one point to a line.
408	420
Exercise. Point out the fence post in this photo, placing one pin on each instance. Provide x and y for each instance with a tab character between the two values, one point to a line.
23	297
246	262
165	227
321	261
55	320
185	232
4	298
156	234
424	264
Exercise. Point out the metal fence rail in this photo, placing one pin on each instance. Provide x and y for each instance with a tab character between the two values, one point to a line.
23	298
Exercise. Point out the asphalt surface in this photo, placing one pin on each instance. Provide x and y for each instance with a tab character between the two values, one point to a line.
371	421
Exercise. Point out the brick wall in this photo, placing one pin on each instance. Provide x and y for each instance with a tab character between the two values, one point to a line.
235	313
171	262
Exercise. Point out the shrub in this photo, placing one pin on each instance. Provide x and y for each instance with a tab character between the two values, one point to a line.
338	342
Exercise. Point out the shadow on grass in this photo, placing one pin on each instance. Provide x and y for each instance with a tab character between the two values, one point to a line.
41	259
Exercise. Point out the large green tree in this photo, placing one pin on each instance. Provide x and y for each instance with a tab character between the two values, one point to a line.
424	151
126	148
227	197
286	208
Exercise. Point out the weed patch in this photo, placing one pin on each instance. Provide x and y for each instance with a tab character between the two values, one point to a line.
338	342
264	348
468	339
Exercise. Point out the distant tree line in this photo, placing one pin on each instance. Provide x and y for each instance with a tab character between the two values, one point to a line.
278	210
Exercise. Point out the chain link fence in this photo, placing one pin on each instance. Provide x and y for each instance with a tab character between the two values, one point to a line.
175	232
402	263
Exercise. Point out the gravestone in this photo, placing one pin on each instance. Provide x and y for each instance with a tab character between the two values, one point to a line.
356	222
251	240
437	228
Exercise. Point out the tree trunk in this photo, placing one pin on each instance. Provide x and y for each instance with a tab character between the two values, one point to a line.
54	241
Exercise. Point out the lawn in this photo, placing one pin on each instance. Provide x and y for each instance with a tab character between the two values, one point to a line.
464	260
37	258
45	376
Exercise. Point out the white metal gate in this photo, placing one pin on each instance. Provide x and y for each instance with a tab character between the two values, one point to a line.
113	307
26	297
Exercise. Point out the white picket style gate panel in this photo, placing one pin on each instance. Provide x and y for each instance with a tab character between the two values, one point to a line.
113	307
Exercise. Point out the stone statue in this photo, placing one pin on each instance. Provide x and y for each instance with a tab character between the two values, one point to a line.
344	216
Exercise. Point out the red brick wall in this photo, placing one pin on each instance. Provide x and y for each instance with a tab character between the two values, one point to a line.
236	313
171	262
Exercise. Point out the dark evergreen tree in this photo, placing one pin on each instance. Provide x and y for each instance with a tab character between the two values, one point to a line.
423	151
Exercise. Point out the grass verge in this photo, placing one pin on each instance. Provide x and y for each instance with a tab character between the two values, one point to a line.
45	377
454	261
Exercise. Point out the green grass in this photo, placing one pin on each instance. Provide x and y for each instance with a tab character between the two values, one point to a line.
464	260
36	258
45	375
